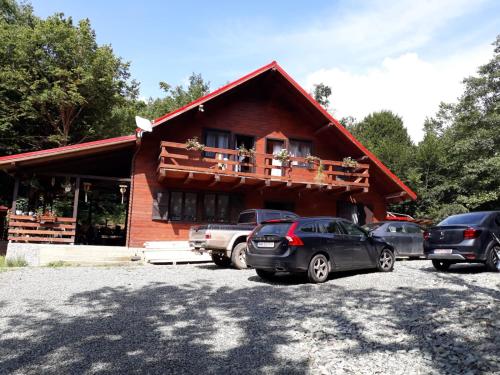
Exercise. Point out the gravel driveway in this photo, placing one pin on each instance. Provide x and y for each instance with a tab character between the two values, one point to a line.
202	319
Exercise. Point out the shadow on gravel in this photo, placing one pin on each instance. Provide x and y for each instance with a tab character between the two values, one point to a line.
176	329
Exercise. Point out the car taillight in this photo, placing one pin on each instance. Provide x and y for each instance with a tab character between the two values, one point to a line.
251	234
208	236
427	235
293	239
471	233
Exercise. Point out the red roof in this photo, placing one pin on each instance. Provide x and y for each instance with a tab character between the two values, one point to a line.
103	143
273	65
329	117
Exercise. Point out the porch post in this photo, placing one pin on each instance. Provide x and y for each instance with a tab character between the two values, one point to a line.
14	195
77	195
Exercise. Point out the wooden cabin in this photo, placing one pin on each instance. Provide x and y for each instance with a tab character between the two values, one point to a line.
211	159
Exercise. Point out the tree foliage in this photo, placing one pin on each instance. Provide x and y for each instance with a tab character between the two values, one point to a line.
57	85
321	93
385	135
176	97
454	169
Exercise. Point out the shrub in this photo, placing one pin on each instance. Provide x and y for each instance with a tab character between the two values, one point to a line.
16	262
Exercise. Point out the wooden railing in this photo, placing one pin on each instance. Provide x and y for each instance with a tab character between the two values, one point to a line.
42	229
175	157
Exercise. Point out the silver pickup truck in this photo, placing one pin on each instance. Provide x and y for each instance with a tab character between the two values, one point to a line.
227	242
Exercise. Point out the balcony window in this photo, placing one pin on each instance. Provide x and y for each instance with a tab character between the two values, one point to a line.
217	139
300	149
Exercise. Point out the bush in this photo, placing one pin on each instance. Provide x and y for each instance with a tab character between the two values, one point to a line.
16	262
57	263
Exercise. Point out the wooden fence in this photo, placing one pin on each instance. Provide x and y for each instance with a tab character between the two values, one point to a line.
41	229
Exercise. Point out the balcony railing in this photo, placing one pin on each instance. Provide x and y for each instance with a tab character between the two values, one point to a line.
176	161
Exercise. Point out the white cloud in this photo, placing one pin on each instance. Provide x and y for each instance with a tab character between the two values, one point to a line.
407	85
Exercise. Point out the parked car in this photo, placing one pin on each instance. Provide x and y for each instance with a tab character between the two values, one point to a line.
227	242
465	238
406	238
315	246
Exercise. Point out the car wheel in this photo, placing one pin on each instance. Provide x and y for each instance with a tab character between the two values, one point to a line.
221	260
318	269
239	256
385	261
493	258
265	275
441	265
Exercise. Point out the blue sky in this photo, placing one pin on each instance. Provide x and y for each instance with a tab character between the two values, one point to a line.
405	56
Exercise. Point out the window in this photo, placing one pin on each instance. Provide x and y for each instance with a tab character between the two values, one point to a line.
352	229
308	228
270	216
395	228
216	208
216	138
192	207
410	228
334	228
183	206
247	218
300	149
278	229
473	218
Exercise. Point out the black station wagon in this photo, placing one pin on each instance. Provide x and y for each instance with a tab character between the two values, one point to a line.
315	246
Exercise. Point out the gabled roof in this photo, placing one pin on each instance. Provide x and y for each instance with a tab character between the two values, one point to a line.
61	152
111	143
334	123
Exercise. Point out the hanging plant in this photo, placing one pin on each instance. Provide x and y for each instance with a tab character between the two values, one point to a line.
283	156
193	144
320	175
349	162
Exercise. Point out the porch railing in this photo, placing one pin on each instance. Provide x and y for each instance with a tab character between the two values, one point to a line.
41	229
175	157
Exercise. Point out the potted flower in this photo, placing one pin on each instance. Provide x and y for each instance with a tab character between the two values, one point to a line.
193	144
312	161
349	162
283	156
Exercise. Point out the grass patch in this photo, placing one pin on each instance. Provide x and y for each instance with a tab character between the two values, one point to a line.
16	262
57	264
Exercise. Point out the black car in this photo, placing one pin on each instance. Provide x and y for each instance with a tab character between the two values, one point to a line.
466	238
315	246
405	237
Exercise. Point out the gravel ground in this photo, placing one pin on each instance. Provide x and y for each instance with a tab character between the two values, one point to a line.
202	319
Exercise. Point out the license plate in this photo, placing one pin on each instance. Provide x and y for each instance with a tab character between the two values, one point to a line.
443	251
265	244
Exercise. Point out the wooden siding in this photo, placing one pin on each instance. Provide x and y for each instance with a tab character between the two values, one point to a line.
256	112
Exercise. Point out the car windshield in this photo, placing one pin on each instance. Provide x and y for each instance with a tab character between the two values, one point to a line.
467	219
372	226
247	218
276	229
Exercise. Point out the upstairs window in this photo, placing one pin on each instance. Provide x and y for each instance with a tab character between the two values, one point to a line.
217	139
300	149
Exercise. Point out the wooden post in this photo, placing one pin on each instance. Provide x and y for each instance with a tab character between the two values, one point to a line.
14	195
75	204
77	195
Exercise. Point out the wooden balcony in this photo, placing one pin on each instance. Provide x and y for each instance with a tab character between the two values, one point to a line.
215	166
43	229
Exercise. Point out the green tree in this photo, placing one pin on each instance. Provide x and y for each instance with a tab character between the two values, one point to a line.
321	93
176	97
384	134
57	85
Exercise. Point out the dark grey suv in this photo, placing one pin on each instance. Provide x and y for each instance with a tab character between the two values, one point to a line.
466	238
